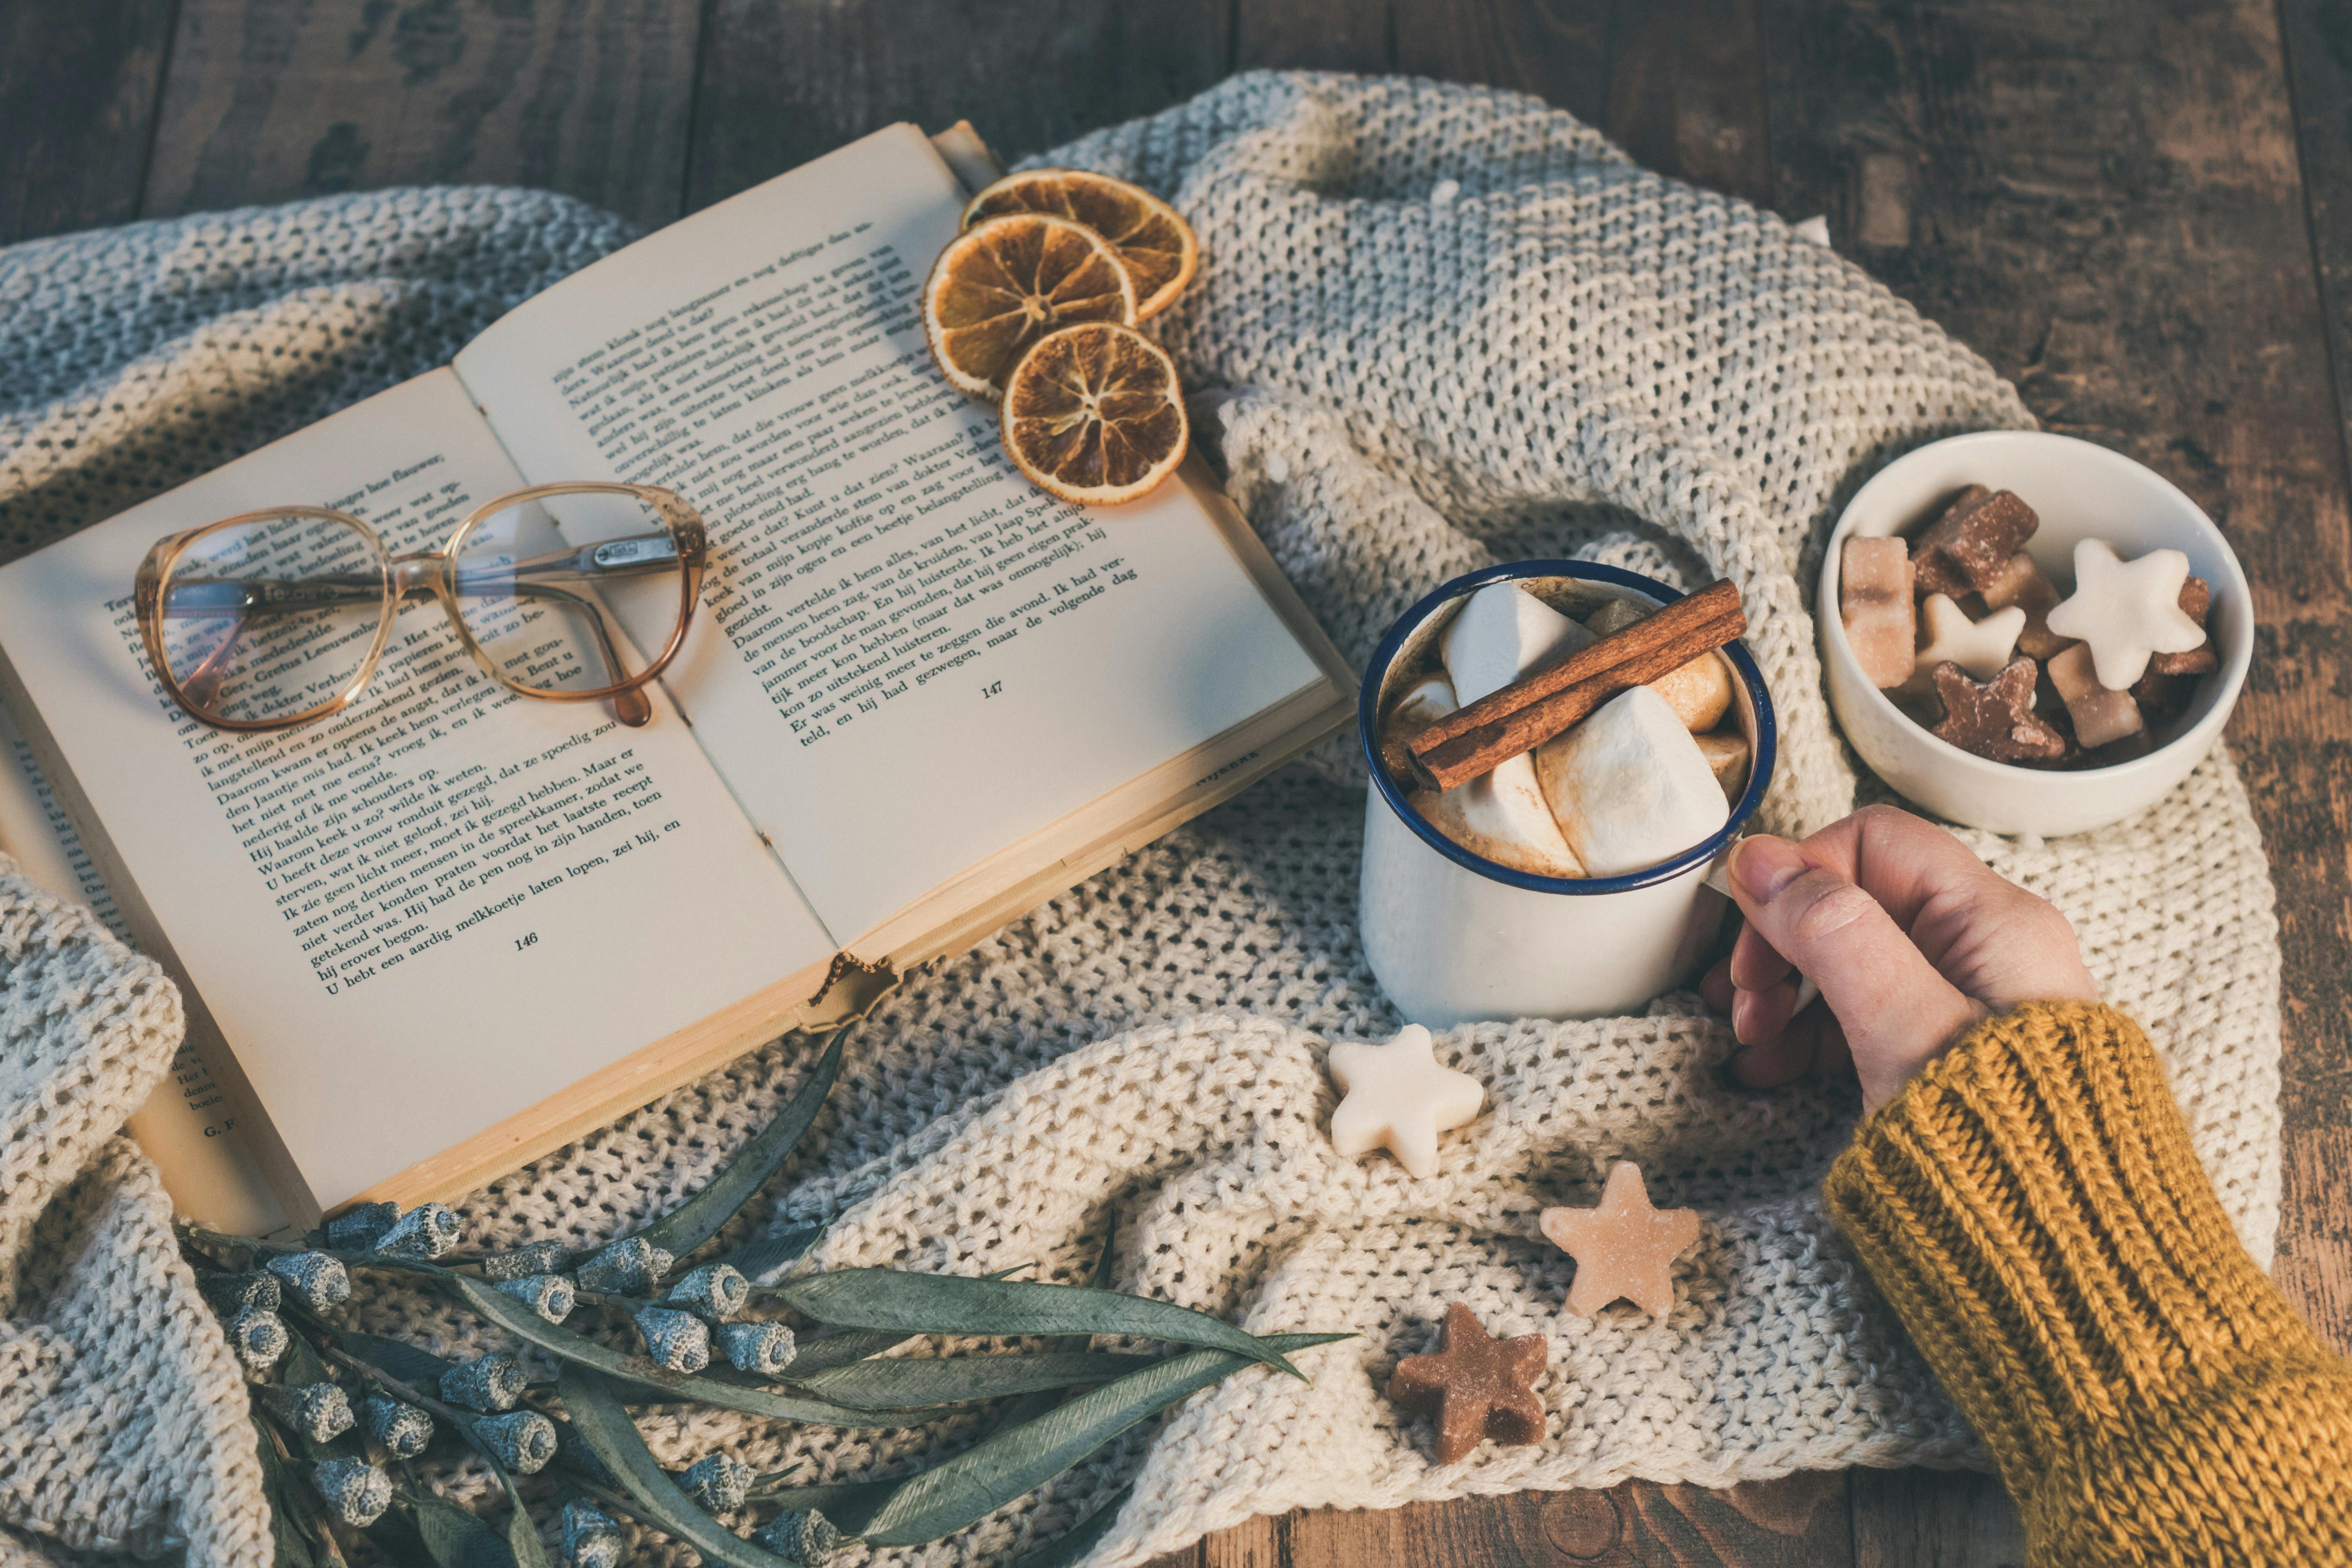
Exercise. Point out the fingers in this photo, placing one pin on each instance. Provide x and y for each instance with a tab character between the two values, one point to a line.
1895	1011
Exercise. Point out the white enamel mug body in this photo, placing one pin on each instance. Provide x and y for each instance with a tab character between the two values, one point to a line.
1455	938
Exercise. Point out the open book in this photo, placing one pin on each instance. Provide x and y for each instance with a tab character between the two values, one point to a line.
448	929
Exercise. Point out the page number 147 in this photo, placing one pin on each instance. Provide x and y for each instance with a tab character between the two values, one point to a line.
992	688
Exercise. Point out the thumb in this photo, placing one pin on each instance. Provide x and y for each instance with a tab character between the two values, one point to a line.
1896	1011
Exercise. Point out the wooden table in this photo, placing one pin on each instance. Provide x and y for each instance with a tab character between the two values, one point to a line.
2141	211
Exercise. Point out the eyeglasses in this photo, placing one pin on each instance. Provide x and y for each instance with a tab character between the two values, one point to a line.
277	617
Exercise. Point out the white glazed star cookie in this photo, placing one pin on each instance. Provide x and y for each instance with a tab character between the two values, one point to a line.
2127	610
1399	1098
1981	647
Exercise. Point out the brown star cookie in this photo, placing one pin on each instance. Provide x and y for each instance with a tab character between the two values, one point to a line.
1475	1387
1624	1248
1995	720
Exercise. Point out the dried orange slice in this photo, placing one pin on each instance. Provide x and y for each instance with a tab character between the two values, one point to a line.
1155	242
1000	287
1093	414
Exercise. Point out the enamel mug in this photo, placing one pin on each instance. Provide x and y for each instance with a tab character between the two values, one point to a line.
1454	937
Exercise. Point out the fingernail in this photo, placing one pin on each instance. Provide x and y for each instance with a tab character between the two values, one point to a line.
1762	865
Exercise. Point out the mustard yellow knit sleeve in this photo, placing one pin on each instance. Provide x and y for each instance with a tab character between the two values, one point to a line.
2033	1208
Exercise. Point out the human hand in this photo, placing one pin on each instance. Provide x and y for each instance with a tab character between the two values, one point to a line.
1910	938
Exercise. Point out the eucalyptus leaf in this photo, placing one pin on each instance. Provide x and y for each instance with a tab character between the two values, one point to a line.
597	1416
650	1384
895	1385
1027	1409
288	1533
301	1363
955	1304
523	1536
420	1370
457	1539
1079	1539
850	1505
960	1492
761	1259
699	1219
844	1350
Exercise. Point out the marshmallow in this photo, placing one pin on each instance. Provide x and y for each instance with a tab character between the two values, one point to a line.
1700	691
1875	607
1501	632
1726	751
2099	715
2127	610
2022	584
1629	786
1502	816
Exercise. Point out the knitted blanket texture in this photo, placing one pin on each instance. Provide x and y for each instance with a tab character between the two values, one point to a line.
1436	327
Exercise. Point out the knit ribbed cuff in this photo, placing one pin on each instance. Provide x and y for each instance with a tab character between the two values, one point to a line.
2033	1208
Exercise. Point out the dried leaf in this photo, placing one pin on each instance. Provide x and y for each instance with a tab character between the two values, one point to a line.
844	1350
960	1492
851	1505
457	1539
420	1370
699	1219
760	1261
292	1547
892	1385
1079	1539
954	1304
596	1415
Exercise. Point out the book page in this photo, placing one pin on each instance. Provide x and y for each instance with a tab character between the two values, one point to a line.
911	657
186	1126
439	906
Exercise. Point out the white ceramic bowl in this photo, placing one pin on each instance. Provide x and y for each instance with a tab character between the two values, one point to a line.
2081	492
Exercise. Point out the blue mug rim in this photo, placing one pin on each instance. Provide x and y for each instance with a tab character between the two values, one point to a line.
1743	664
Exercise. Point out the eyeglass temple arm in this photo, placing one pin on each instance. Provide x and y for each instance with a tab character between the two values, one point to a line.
631	707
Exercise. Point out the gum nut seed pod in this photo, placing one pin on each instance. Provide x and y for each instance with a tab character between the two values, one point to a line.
355	1490
232	1293
677	1341
319	1411
361	1228
400	1429
766	1349
523	1440
319	1281
717	1483
538	1257
549	1295
427	1231
258	1338
800	1535
591	1537
490	1383
715	1289
629	1267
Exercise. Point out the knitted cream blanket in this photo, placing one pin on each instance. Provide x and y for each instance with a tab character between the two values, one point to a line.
1437	327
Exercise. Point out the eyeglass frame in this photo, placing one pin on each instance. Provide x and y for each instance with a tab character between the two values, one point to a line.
433	572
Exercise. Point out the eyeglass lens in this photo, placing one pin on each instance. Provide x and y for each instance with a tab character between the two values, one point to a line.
265	619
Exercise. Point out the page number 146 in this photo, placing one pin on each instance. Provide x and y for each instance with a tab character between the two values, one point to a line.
529	939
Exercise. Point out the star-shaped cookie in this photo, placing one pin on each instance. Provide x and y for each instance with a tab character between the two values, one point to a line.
1622	1248
1475	1387
2127	610
1399	1098
1981	647
1996	719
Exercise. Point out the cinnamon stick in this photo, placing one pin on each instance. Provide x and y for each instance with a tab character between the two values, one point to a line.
1476	740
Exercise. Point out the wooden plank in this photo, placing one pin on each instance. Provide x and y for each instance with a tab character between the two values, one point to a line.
2315	1255
1934	1519
2105	200
269	99
1557	51
1314	35
785	80
1686	94
78	85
